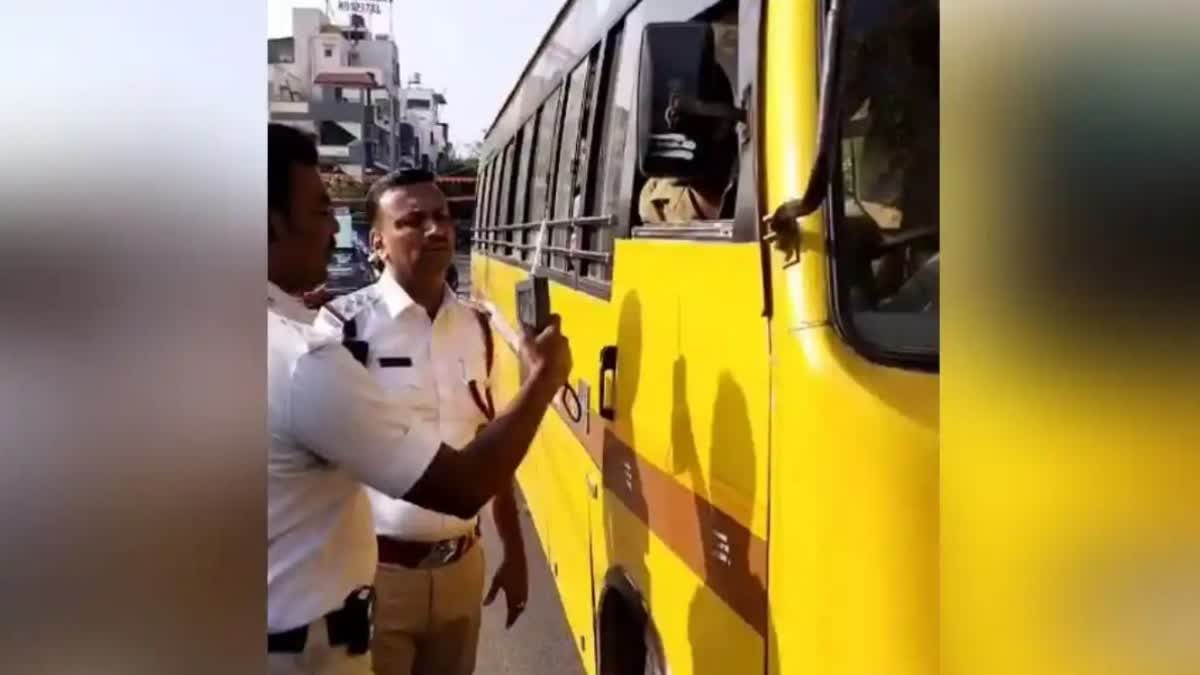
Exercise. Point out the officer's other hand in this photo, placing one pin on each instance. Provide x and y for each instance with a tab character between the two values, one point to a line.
512	577
549	354
316	298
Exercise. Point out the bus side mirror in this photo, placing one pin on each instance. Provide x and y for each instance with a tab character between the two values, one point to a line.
679	84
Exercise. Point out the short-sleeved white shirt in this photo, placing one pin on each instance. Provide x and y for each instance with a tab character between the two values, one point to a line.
331	429
426	365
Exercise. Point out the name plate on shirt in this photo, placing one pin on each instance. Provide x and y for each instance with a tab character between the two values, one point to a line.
395	362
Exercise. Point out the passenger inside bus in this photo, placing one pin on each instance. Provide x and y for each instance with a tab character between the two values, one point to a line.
677	201
890	156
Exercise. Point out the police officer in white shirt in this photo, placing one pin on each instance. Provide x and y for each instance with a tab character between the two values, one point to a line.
331	429
432	352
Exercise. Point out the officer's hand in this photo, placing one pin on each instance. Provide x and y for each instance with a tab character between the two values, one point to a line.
549	354
316	298
513	578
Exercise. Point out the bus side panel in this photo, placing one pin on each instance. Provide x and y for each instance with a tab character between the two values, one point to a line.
682	509
854	520
685	469
567	468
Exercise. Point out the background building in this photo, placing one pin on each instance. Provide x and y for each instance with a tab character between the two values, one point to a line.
424	138
341	82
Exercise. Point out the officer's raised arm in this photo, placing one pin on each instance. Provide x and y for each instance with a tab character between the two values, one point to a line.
343	416
461	482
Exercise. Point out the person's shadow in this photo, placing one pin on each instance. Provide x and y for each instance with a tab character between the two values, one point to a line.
711	622
626	536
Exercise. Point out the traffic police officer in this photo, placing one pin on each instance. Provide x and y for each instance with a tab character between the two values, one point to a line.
331	429
431	351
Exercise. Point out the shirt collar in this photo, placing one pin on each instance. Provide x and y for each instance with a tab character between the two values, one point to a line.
285	305
396	299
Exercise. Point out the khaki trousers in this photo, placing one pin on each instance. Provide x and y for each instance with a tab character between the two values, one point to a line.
318	658
427	621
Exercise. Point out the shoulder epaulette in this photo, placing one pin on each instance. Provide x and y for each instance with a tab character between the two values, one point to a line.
344	309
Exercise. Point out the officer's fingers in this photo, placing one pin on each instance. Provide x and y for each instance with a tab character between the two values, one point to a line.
514	613
491	594
553	327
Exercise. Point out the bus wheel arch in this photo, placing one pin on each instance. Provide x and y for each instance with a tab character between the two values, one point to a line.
627	640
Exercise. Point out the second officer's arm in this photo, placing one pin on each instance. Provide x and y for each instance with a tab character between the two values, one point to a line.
341	414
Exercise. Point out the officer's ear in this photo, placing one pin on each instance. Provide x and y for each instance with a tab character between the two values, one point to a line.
377	241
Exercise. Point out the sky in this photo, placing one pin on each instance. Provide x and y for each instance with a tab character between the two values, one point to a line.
471	50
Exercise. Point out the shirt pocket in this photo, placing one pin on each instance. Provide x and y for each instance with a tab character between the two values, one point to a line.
407	381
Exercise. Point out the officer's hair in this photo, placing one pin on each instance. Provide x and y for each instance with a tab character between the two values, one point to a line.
285	146
392	181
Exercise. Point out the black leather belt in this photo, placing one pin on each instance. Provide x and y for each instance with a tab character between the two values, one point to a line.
425	554
350	625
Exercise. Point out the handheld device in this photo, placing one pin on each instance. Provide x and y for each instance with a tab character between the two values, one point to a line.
533	294
533	304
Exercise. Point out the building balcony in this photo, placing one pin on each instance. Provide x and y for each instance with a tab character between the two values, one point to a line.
286	106
334	151
341	111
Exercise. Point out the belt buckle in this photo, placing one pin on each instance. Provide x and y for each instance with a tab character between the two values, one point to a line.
442	553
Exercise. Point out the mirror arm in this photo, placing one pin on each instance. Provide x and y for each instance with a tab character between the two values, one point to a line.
784	222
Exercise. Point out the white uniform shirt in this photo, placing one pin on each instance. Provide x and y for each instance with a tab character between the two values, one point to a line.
330	429
425	365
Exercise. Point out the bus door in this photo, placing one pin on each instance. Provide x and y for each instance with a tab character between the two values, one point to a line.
681	518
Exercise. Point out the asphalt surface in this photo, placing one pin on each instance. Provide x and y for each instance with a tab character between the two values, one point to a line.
539	643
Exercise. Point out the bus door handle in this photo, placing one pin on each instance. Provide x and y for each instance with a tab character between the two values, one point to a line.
608	365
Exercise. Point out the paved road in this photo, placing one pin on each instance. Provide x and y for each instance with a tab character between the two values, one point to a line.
540	643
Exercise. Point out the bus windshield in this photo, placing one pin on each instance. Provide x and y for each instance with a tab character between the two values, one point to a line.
885	200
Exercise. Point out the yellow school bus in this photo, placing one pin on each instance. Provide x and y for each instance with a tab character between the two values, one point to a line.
735	204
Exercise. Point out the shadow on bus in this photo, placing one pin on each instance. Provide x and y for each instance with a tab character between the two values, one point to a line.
713	619
722	547
627	537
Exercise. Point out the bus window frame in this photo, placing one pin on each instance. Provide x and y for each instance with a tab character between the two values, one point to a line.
832	215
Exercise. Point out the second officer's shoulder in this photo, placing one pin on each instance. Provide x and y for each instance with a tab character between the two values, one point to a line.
346	307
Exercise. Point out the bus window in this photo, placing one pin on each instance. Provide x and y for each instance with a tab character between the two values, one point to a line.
671	200
576	95
544	158
564	197
886	226
610	124
619	125
481	209
521	191
510	189
497	205
504	201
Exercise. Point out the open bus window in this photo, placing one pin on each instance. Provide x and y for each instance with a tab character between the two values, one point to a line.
886	224
665	201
